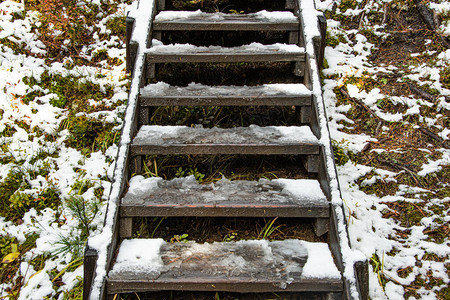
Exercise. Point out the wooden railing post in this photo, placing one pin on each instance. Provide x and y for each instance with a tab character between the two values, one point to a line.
320	43
131	46
362	274
90	264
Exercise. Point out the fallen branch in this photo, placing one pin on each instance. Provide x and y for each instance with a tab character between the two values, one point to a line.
428	18
426	15
421	92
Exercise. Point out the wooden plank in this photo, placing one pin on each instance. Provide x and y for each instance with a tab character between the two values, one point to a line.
362	275
226	100
90	264
240	210
197	94
244	266
321	226
290	4
245	149
268	140
202	21
294	37
323	32
126	227
307	73
160	5
245	285
204	57
232	23
305	115
241	198
311	163
131	47
135	165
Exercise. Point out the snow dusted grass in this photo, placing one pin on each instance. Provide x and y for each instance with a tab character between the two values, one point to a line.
61	105
386	88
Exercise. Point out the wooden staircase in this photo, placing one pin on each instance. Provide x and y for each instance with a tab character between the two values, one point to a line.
116	263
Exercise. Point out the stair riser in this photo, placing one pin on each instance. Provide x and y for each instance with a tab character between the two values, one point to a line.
225	101
242	286
267	149
224	211
231	58
160	26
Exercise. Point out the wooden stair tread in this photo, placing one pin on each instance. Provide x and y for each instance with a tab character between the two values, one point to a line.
243	266
254	52
153	139
197	94
186	197
197	20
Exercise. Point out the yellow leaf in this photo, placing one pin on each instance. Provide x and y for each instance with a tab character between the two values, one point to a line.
10	257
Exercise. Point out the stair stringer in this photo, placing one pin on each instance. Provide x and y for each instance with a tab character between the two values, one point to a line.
353	264
105	243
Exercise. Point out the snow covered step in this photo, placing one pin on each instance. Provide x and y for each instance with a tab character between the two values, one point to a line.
186	197
269	140
255	52
197	20
159	94
243	266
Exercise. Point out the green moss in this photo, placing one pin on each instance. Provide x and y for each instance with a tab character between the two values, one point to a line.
347	4
17	202
8	131
340	150
370	35
18	48
445	77
73	92
21	202
117	26
76	293
333	41
89	134
444	293
100	55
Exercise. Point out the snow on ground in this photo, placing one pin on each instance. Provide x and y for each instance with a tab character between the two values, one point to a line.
36	156
34	134
399	253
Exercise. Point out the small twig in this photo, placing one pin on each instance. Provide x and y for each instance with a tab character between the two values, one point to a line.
361	20
359	102
173	260
433	136
402	167
421	211
420	92
384	14
378	128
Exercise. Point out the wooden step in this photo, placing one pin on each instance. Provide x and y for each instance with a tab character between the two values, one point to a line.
263	198
269	140
197	20
243	267
255	52
161	94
